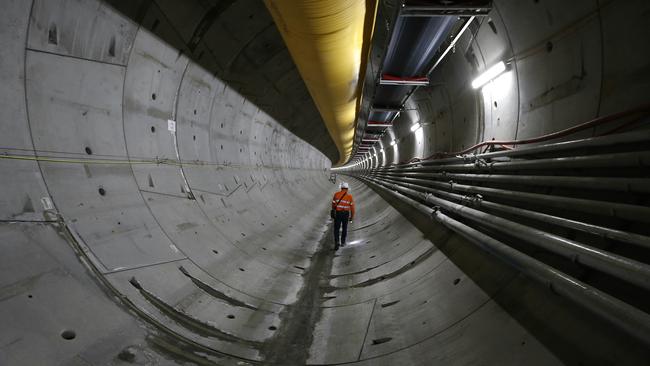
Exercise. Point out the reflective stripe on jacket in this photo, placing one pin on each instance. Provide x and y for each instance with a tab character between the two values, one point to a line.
346	204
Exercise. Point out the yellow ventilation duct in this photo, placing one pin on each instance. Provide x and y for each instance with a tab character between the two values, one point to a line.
329	40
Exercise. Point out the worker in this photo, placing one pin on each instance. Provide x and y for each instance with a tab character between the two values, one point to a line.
342	212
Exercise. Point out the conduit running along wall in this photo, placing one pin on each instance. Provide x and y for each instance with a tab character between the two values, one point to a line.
329	41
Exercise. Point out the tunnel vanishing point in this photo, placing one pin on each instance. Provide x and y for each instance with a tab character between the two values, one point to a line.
167	170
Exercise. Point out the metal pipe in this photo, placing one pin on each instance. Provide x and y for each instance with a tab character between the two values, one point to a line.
613	160
603	208
626	317
618	266
605	232
640	185
591	142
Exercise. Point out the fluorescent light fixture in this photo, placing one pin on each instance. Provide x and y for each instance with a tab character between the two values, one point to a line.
415	127
489	74
381	150
393	143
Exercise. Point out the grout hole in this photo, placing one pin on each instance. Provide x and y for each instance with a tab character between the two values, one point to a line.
30	296
215	251
153	96
88	150
263	248
102	191
230	316
68	334
153	129
241	269
456	281
272	327
549	46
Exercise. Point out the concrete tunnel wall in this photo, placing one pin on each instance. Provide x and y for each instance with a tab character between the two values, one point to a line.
245	211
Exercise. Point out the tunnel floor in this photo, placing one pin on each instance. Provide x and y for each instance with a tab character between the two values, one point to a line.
391	296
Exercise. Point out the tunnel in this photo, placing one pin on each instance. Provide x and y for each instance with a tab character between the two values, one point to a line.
167	171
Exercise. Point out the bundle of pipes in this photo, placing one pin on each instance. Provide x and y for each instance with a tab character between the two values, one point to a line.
582	202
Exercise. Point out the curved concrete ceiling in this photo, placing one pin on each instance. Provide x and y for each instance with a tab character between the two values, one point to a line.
165	193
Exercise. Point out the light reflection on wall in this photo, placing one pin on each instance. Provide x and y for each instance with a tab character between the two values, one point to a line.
498	88
419	142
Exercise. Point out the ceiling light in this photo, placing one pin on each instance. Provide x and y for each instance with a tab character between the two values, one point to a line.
489	74
393	143
415	127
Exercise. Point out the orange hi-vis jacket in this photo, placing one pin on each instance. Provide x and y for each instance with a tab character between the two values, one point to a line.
346	204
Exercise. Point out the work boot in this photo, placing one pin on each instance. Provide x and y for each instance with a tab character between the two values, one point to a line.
336	246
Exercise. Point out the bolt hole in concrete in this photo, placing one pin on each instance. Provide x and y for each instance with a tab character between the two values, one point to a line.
153	96
272	327
102	191
52	37
495	104
126	355
389	304
241	269
263	248
381	340
492	26
214	251
88	151
30	296
68	334
456	281
230	316
153	129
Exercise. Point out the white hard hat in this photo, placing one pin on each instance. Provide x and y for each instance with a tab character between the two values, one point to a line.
344	185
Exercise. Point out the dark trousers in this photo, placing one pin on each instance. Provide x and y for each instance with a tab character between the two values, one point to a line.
341	219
